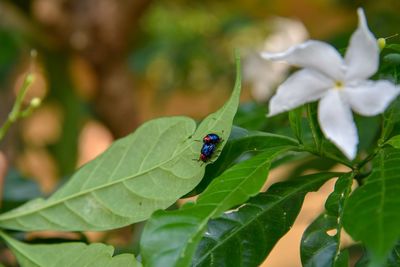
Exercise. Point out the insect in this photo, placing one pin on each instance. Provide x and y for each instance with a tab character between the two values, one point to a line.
212	138
207	151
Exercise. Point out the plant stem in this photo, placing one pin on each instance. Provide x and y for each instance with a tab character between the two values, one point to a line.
16	109
326	155
367	159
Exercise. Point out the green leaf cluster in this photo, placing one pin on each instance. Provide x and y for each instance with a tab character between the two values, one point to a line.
232	221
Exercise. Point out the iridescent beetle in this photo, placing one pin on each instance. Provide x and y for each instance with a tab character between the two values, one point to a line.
207	151
212	138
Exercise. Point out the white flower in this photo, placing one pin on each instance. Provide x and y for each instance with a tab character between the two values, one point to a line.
339	83
263	75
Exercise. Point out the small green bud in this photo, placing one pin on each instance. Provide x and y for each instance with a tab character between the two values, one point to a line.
381	43
35	102
29	79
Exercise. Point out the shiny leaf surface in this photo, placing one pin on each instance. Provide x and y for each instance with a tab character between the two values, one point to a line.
244	237
170	238
68	255
147	170
375	204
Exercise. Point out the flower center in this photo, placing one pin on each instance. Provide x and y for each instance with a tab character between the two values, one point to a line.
339	85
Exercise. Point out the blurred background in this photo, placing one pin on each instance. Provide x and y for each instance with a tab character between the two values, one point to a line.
103	67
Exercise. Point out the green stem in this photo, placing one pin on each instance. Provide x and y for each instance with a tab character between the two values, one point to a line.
16	110
367	159
313	128
327	155
339	227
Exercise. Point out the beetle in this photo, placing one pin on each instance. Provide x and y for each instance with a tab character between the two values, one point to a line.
207	151
212	138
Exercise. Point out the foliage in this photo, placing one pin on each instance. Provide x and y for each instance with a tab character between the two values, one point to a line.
68	254
230	219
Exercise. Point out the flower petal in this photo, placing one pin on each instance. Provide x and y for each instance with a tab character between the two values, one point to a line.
312	54
336	121
370	98
362	55
303	86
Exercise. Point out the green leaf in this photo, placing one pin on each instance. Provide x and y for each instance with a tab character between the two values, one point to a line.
392	58
319	246
312	116
243	144
391	120
68	254
392	261
371	213
295	119
395	47
335	203
394	141
250	143
394	256
170	238
369	128
244	237
145	171
342	260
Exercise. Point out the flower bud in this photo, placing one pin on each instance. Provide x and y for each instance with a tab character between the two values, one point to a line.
29	79
35	102
381	43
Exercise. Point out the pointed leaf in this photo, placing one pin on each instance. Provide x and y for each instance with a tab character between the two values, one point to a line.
295	119
394	141
317	247
375	204
335	203
243	144
145	171
320	244
244	237
170	238
392	59
395	47
68	254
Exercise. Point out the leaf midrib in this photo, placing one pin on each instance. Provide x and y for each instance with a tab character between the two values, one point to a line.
220	114
382	200
205	220
296	191
93	189
90	190
10	242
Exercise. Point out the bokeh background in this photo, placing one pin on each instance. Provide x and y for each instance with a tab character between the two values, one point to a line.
103	67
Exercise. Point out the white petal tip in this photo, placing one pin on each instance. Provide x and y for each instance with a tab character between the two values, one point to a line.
270	114
349	152
268	56
350	155
360	11
361	17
